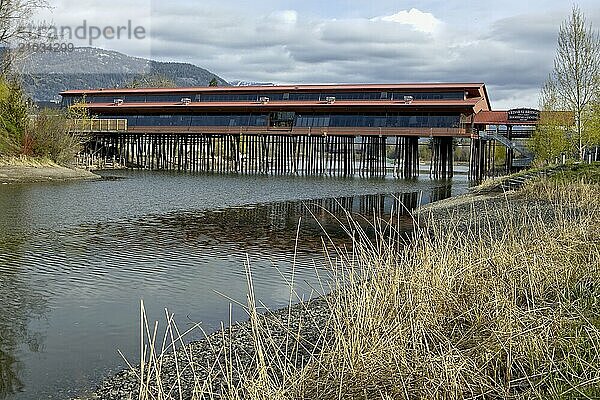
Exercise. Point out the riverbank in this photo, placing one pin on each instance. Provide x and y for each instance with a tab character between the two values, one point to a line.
21	170
496	296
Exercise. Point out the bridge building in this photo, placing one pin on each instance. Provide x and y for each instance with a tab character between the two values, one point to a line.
303	129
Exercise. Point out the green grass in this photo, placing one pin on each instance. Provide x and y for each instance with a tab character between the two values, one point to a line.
588	173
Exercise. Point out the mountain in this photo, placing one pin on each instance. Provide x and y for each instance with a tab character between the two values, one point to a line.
46	74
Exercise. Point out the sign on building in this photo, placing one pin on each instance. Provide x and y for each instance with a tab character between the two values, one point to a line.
524	114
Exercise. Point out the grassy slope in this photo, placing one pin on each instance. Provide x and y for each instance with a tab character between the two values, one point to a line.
581	172
23	161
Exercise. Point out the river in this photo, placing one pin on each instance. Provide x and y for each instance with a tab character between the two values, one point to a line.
76	259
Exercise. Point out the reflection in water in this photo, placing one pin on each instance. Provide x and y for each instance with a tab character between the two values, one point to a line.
19	303
86	279
19	306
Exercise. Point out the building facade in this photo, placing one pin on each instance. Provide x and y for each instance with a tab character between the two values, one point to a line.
266	125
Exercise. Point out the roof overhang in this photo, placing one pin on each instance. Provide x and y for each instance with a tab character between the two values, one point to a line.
470	87
462	106
498	118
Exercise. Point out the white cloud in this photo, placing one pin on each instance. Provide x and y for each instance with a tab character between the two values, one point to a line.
288	17
419	20
406	46
513	55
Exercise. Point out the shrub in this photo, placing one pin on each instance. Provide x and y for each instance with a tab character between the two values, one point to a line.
48	136
14	117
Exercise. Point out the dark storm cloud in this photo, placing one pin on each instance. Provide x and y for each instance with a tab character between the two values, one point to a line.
526	31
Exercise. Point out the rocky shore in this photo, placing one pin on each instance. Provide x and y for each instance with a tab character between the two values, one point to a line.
15	173
305	322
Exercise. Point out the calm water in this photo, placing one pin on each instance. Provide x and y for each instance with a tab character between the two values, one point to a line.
76	258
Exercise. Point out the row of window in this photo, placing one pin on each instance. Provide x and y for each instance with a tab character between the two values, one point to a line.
381	121
255	97
195	120
299	96
289	120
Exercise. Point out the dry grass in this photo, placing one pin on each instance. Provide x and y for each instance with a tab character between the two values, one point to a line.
25	161
501	302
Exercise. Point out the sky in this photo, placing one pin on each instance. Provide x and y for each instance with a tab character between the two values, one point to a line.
509	45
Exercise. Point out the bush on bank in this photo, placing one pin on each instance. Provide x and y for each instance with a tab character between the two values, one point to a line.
32	133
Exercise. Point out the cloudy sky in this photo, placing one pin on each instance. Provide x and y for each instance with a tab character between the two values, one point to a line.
507	44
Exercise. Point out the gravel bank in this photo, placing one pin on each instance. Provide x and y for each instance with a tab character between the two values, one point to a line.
13	174
306	322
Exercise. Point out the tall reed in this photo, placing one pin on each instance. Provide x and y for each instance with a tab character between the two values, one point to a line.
498	299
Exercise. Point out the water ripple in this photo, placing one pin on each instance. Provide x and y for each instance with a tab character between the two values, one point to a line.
76	259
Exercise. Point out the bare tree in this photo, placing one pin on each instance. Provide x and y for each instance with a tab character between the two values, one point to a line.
16	25
15	16
575	78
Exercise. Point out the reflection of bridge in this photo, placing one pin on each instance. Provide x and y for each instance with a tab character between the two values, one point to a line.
279	221
342	130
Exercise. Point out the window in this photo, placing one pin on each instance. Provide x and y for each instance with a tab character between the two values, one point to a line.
135	99
102	99
304	96
258	120
289	119
391	120
68	101
282	119
227	97
429	95
161	98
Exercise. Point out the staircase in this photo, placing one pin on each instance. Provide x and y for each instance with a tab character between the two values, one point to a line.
526	156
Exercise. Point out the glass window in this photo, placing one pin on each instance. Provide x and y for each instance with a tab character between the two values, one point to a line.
287	119
230	97
429	95
319	120
102	99
161	98
134	99
282	119
131	119
304	96
258	120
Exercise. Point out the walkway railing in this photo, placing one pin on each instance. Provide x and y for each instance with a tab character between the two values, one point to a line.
98	125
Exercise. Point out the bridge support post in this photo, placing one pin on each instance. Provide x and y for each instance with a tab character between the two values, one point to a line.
407	157
442	158
510	154
482	159
373	156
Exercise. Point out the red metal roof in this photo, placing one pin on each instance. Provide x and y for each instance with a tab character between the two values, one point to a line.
469	103
286	88
491	117
498	118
